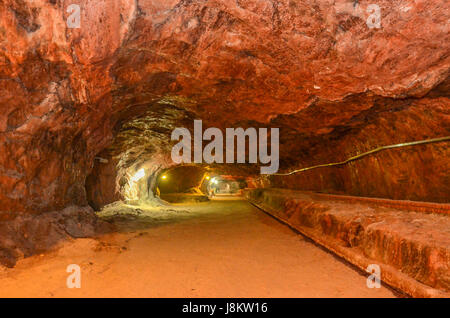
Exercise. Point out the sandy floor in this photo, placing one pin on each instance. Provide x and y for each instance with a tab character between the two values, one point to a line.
216	249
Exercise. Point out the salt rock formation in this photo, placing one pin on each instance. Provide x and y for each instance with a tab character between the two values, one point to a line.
333	77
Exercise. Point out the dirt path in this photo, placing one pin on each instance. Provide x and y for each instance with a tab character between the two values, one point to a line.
215	249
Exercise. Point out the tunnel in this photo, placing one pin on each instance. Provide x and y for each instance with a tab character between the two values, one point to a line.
252	137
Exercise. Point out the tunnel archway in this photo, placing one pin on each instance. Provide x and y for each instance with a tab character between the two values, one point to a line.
225	78
87	113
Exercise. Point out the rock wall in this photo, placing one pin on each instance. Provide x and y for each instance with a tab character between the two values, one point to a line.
25	234
64	91
419	173
102	186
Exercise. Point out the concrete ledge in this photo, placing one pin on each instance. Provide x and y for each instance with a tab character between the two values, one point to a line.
411	248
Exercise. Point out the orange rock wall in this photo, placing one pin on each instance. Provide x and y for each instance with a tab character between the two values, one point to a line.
64	91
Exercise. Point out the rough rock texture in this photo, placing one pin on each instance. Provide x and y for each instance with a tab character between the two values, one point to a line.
416	244
22	235
101	184
142	142
313	67
64	90
414	173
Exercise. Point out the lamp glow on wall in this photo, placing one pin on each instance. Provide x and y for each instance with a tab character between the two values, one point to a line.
138	175
131	193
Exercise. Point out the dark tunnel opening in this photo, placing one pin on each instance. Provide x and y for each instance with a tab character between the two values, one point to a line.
197	184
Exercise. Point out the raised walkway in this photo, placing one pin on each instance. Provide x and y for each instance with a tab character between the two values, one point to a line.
410	241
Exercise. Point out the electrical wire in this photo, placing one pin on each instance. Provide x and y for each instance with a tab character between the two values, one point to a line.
406	144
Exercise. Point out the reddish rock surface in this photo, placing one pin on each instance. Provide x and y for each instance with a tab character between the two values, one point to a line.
312	67
419	173
24	234
64	90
